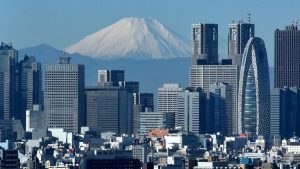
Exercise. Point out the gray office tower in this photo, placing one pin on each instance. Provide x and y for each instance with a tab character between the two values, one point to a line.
204	43
191	110
287	54
109	109
254	90
285	112
141	102
167	102
151	120
205	75
221	95
30	85
238	36
35	118
8	81
64	95
110	77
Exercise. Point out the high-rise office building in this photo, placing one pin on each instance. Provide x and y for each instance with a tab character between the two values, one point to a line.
191	110
238	36
167	102
254	90
285	112
205	75
30	85
151	120
141	102
222	106
110	77
64	95
144	99
287	54
8	82
131	87
204	43
209	114
109	109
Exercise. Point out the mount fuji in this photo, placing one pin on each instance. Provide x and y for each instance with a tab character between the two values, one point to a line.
132	37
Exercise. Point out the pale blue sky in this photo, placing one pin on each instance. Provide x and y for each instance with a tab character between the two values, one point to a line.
63	22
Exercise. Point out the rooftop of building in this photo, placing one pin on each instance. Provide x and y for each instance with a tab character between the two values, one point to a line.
5	46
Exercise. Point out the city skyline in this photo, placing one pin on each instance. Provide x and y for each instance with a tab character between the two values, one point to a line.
63	28
211	104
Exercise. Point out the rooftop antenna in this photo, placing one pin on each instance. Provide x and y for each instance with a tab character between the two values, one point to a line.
249	18
64	59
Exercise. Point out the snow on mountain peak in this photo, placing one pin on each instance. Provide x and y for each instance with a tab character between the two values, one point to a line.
132	37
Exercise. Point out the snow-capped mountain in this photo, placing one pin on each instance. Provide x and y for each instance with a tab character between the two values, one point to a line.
133	38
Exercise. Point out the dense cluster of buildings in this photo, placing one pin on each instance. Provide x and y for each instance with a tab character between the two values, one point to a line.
228	116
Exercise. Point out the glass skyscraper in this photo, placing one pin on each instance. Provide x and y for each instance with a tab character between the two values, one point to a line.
254	90
238	36
8	81
205	43
30	85
287	54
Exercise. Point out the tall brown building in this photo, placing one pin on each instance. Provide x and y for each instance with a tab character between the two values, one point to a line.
287	57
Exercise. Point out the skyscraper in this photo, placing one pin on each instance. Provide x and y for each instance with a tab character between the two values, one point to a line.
238	36
64	95
287	54
141	102
285	112
110	77
109	109
8	81
30	85
254	90
276	97
191	109
205	75
144	99
131	87
151	120
222	105
167	102
204	43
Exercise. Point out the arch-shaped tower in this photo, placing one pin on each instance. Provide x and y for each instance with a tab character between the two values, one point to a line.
254	90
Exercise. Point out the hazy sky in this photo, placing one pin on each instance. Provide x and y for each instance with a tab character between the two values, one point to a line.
61	23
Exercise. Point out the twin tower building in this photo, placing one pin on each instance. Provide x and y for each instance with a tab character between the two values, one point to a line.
245	72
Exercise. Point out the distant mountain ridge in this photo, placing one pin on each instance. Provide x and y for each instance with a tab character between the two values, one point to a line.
132	37
151	73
